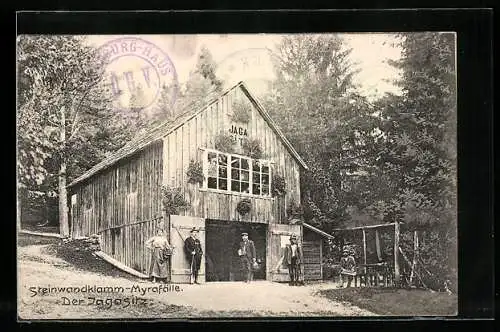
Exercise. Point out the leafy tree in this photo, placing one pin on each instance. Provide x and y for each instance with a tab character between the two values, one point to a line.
206	67
201	86
419	156
164	108
316	103
63	104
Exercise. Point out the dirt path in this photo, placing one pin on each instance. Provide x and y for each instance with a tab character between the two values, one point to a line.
131	299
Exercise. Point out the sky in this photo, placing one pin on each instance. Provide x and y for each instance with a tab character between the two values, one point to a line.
246	57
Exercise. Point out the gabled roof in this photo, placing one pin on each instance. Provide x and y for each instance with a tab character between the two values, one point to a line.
156	133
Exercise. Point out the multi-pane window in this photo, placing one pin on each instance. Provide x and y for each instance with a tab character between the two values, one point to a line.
217	171
240	174
260	183
237	174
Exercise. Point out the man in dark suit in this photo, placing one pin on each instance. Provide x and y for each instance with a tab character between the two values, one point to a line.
193	250
294	258
247	256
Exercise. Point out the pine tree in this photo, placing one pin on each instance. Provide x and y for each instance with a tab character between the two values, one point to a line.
316	103
202	85
419	159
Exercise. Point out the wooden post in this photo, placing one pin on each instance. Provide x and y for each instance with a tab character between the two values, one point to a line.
364	250
415	256
396	254
364	246
364	253
377	245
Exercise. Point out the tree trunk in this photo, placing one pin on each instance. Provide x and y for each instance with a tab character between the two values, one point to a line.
19	210
415	257
63	194
396	255
63	202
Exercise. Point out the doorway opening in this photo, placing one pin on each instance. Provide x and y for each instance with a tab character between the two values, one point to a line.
221	246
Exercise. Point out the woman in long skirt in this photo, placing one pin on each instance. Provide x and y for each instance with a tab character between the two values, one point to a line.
160	256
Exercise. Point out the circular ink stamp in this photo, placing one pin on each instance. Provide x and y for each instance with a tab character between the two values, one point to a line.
254	66
138	72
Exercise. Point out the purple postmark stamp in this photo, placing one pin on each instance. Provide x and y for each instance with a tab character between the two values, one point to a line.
138	72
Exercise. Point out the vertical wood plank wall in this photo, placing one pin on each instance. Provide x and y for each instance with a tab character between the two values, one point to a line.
108	204
184	144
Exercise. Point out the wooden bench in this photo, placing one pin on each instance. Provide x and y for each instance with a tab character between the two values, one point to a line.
376	275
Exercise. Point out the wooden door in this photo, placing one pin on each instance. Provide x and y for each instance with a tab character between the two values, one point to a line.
180	227
278	237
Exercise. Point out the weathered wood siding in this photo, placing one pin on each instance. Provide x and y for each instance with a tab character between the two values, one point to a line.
312	259
112	202
184	144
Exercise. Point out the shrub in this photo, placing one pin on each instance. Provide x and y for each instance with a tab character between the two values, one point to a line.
252	148
241	112
278	185
224	142
295	209
172	200
244	206
195	172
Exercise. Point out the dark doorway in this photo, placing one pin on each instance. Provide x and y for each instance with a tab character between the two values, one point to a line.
222	243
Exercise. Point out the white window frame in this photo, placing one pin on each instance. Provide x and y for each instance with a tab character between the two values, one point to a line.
229	172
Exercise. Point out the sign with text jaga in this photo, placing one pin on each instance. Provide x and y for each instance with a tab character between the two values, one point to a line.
238	134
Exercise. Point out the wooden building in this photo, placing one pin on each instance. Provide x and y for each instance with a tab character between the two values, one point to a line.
120	198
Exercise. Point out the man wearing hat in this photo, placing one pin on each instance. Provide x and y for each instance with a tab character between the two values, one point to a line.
247	256
193	250
294	258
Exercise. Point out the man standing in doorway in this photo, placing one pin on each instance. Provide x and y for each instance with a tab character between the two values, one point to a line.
247	256
193	250
294	259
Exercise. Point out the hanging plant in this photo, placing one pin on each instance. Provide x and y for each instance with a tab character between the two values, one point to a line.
172	200
195	172
244	206
278	185
224	142
252	148
241	112
295	210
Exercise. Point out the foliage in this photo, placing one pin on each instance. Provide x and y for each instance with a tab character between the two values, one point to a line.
244	206
63	113
201	87
278	185
241	111
195	172
419	155
294	209
206	67
60	76
393	159
38	207
164	108
252	148
224	143
315	103
172	200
